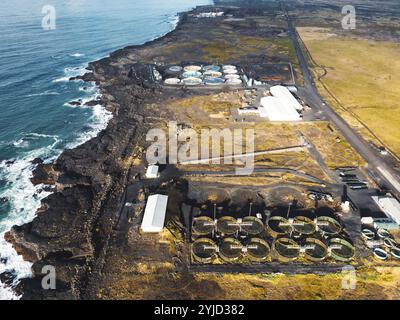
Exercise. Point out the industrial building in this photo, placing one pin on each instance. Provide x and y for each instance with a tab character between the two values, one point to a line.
390	206
281	106
152	172
154	214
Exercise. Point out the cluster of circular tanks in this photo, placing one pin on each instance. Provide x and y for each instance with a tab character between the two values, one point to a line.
209	75
383	245
282	239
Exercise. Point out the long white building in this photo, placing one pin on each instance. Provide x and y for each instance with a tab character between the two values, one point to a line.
154	214
275	110
281	106
286	97
390	206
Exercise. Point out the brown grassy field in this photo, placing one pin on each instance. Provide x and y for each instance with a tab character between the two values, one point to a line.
364	76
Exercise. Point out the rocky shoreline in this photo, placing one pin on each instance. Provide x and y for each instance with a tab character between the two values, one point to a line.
74	225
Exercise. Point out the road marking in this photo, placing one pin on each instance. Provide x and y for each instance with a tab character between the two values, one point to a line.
393	180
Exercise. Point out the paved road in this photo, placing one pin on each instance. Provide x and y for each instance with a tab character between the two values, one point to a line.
378	168
260	170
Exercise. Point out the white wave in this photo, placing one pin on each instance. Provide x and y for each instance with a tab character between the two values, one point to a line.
174	20
62	79
46	93
77	55
24	199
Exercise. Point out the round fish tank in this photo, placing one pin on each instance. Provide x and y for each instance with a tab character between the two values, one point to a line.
368	234
258	250
234	82
192	68
192	81
172	81
175	69
328	225
203	225
252	225
395	252
212	74
315	250
303	225
278	226
380	254
227	225
286	249
191	74
230	249
341	250
210	81
204	250
383	233
231	76
212	68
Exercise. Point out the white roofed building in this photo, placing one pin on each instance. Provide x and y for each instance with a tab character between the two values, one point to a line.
152	172
154	214
286	97
275	109
390	206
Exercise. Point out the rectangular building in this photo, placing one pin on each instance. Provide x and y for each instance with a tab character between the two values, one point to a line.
276	109
154	214
390	206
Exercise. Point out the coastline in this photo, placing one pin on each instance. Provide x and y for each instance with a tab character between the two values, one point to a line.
70	183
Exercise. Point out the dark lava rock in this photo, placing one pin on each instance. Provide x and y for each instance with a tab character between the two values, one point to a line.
44	174
93	103
7	278
10	162
37	161
75	103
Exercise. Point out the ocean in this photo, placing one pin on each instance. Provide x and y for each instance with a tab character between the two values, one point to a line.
36	119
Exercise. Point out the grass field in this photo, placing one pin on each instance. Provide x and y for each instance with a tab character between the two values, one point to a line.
364	75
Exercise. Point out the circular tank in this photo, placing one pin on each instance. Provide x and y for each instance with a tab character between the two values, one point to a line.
228	66
286	249
230	249
395	252
213	74
341	249
204	249
303	225
175	69
231	76
380	254
211	68
203	225
234	82
172	81
227	225
192	81
252	225
315	250
390	243
328	225
213	81
278	225
230	71
383	233
192	68
368	234
191	74
257	250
